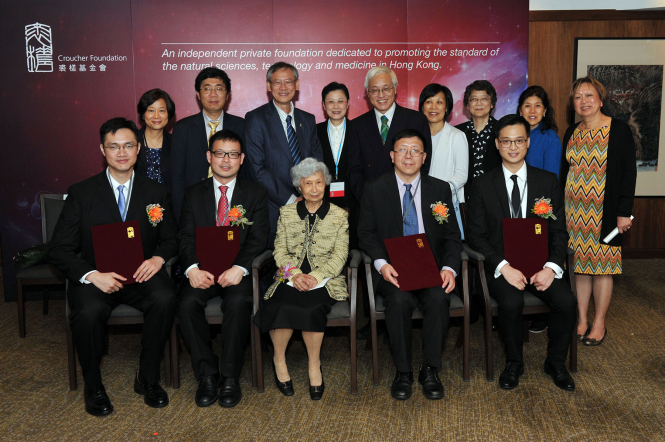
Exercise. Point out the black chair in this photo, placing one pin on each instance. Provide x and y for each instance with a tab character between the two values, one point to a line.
121	315
532	305
42	274
342	314
459	307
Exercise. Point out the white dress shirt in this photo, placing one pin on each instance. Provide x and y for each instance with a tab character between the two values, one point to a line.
389	115
335	134
417	206
450	158
218	194
522	186
282	117
207	119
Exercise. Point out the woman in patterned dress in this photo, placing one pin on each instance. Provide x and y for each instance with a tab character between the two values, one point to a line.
598	172
155	109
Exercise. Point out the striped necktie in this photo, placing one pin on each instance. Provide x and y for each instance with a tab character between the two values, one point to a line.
293	141
384	128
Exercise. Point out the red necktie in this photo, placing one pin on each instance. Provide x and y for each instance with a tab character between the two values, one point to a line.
223	208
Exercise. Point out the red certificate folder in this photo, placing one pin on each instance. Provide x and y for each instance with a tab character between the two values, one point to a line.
118	248
217	248
525	244
414	262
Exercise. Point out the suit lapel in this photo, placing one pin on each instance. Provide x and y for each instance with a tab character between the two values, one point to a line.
277	129
107	196
392	131
137	198
395	204
532	191
427	197
200	129
502	191
305	149
210	208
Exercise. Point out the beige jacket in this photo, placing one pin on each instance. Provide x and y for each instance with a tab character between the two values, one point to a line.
326	247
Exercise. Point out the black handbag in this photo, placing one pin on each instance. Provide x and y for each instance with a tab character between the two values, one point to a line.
32	256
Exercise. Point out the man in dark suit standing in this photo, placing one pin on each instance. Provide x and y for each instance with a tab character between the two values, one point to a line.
113	196
510	191
191	134
371	134
278	136
398	204
207	204
332	135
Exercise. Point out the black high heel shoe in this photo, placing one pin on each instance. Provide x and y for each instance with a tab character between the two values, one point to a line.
286	388
316	393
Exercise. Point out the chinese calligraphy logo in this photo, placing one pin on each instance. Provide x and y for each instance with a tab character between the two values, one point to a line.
39	48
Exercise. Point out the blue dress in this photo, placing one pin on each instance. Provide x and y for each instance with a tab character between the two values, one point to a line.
544	150
154	171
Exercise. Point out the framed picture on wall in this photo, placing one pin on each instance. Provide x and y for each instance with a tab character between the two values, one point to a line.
631	69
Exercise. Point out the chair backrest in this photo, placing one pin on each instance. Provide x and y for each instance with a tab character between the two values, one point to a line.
51	205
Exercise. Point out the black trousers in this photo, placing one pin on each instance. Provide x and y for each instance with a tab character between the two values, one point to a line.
91	308
435	305
563	317
237	310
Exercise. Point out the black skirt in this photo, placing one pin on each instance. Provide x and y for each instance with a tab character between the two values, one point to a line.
290	308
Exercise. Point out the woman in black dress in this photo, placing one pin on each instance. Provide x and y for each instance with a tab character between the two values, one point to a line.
155	109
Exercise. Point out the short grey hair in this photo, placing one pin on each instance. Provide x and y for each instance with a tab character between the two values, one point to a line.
309	167
383	69
281	65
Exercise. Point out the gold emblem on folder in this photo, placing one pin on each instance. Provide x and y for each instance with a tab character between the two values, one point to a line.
229	235
130	232
420	243
538	232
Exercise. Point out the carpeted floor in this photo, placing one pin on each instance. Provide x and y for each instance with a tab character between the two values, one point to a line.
620	392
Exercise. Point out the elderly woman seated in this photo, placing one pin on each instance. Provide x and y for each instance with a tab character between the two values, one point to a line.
311	249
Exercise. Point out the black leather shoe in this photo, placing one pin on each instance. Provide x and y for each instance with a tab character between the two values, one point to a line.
580	338
316	393
229	393
206	394
429	379
153	394
363	332
560	376
286	388
401	389
510	377
97	402
594	342
538	326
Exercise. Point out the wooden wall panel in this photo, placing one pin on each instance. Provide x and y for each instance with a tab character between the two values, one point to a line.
551	51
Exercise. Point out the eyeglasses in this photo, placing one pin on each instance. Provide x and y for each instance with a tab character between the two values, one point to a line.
288	83
519	143
336	102
126	147
376	91
414	152
221	154
208	89
475	100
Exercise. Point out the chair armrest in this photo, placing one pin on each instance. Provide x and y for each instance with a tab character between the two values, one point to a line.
366	258
571	252
473	254
465	256
354	259
260	260
169	265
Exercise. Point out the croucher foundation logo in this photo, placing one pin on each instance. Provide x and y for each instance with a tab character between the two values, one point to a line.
39	48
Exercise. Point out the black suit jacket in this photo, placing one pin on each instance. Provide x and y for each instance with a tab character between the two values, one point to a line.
91	203
189	145
142	161
200	210
381	218
369	157
347	201
268	156
488	206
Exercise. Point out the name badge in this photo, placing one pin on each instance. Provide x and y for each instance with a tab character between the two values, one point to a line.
337	189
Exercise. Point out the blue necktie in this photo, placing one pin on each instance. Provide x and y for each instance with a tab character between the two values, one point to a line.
121	201
293	141
411	218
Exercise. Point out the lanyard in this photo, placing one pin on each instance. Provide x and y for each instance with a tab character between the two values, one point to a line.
129	191
510	202
339	151
413	198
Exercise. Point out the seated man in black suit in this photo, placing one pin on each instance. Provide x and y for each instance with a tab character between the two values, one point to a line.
207	204
398	204
510	191
188	164
112	196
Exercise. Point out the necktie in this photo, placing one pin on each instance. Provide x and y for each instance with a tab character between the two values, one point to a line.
515	199
384	128
213	129
223	208
293	141
411	218
121	201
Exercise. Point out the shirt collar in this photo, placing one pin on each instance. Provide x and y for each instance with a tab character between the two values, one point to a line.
413	183
333	128
521	174
389	113
281	112
114	183
230	185
321	212
207	119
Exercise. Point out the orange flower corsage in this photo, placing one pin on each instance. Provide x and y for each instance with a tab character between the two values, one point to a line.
155	214
543	208
236	216
440	212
